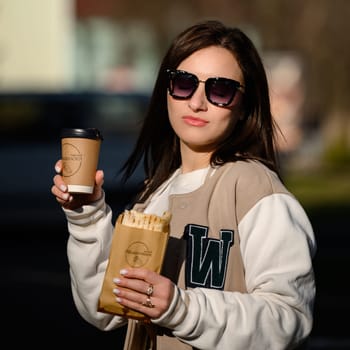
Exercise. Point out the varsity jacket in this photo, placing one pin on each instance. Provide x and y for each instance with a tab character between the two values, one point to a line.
240	252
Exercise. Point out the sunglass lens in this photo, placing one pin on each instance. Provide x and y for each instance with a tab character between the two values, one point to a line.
183	85
221	91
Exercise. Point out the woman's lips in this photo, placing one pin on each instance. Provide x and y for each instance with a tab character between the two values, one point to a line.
194	121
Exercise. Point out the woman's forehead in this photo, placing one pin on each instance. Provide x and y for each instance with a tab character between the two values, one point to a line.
212	61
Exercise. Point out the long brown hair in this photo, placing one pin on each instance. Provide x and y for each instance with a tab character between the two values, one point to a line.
252	138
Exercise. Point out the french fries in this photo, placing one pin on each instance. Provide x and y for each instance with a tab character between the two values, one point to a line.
152	222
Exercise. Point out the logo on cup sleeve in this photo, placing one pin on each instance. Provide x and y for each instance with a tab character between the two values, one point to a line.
72	159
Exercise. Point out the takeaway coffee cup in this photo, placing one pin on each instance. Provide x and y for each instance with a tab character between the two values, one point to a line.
80	154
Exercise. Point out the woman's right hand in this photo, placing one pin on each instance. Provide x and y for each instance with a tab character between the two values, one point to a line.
75	200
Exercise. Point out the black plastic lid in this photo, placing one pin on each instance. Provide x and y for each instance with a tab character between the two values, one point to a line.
87	133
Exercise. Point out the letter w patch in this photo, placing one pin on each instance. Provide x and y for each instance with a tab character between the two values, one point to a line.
207	258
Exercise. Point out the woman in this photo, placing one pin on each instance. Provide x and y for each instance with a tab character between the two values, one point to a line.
238	273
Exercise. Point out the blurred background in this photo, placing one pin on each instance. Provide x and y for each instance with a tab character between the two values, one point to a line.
87	63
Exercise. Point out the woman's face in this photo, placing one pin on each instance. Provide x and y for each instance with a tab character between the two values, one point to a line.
199	124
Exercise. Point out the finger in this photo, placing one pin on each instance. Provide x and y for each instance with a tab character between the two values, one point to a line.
136	285
141	274
99	178
60	191
133	288
59	183
140	280
58	166
138	302
59	186
61	196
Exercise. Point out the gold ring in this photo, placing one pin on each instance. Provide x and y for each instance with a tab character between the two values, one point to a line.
148	303
149	291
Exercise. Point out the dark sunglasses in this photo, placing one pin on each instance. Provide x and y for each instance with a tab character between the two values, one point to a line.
219	91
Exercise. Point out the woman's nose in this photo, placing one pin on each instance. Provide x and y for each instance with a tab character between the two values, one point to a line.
198	100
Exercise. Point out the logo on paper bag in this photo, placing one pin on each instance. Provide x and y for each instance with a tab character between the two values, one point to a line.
137	254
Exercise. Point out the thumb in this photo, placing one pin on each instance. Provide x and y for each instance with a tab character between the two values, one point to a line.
99	178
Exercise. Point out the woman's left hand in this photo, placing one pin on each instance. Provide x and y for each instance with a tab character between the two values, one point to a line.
144	291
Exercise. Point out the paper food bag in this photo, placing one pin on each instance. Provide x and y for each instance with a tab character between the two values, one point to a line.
139	240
